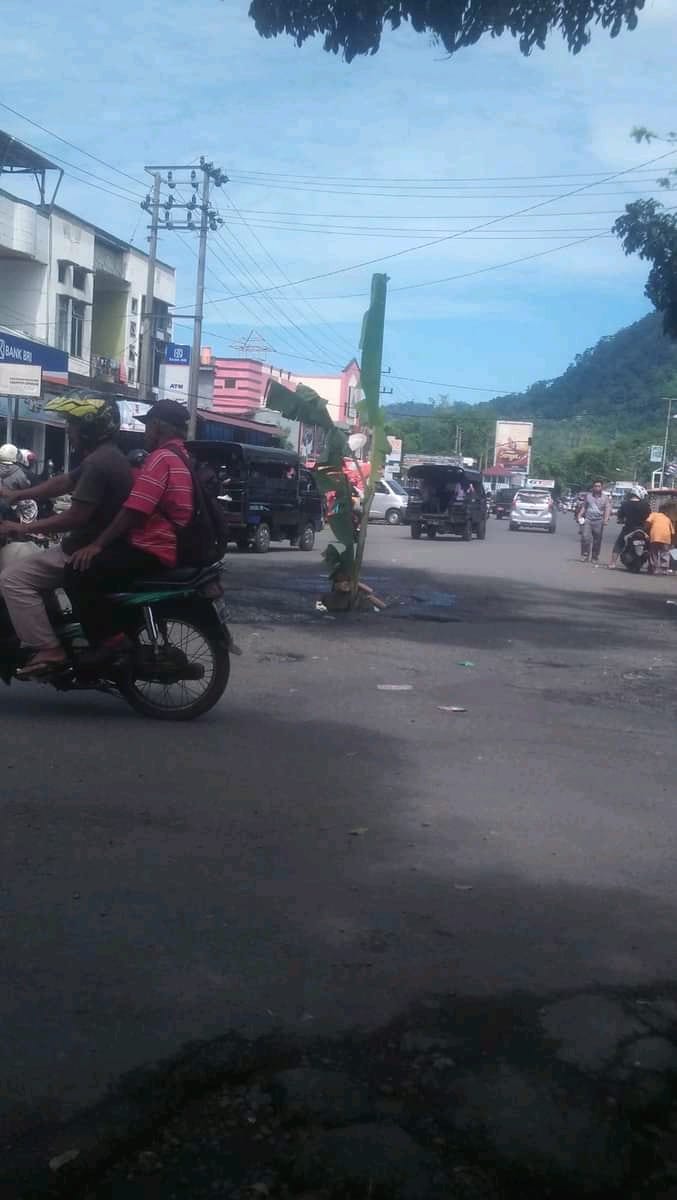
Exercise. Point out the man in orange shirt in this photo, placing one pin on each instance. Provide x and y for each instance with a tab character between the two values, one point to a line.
661	533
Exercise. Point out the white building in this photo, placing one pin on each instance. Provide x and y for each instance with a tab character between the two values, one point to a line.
71	301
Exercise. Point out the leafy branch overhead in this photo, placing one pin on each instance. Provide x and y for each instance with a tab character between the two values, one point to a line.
354	27
648	230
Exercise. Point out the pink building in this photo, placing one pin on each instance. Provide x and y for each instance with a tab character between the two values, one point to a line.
241	384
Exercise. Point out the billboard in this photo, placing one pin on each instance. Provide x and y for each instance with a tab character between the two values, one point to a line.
513	445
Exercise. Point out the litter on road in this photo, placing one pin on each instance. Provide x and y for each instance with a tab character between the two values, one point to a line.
394	687
465	663
451	708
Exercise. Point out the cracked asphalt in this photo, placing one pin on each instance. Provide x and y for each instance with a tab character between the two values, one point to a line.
319	853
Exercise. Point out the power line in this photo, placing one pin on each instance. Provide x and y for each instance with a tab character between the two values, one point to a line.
465	387
283	273
273	317
308	214
50	132
271	301
408	235
497	266
417	178
448	237
447	193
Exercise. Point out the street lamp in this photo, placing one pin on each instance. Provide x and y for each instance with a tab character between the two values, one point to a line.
670	400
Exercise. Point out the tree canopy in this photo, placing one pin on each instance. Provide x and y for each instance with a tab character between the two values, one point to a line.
648	230
354	27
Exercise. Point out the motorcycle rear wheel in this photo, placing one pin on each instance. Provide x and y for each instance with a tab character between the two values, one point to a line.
186	699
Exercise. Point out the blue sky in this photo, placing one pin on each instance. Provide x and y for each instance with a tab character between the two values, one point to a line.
334	164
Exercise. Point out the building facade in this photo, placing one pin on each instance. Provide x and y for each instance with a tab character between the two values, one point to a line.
240	385
70	293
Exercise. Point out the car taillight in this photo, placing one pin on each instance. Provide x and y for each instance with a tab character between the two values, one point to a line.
550	505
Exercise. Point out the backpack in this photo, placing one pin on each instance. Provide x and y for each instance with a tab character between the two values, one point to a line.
205	538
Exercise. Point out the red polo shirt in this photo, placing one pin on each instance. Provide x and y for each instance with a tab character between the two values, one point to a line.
163	492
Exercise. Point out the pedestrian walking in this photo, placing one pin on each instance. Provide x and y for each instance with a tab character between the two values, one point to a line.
661	534
593	513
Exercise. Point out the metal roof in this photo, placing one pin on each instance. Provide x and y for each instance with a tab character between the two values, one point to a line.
244	451
15	156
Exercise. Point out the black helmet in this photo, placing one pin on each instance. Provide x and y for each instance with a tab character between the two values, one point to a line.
98	417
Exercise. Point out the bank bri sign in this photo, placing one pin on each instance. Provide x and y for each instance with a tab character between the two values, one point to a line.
20	352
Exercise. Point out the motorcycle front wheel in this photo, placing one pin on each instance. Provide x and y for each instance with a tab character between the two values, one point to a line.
187	698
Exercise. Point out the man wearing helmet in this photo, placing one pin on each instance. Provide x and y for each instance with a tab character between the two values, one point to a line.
632	513
98	488
12	474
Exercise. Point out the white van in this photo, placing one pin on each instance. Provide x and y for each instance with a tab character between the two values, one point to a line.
389	503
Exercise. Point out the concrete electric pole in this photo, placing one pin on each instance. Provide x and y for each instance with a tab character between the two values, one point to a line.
147	324
198	179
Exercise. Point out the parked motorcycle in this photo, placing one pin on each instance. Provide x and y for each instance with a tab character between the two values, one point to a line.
180	662
635	552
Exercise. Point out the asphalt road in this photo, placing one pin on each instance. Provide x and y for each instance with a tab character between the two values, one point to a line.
319	853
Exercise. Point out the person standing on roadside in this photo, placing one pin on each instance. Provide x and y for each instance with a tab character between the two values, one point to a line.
594	511
661	534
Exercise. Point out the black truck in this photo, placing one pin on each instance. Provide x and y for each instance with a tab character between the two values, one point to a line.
446	499
267	494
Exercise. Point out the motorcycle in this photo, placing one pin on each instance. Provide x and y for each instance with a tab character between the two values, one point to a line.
179	664
635	552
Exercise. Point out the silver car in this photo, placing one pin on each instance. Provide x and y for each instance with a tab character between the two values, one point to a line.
389	503
533	510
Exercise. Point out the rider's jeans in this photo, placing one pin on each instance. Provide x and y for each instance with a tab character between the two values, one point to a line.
22	587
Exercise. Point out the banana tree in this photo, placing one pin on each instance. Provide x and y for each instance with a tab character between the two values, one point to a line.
344	557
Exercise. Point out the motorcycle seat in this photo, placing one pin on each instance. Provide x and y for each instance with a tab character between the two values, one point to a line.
179	577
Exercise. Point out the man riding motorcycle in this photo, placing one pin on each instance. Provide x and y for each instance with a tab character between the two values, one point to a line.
99	488
143	535
632	513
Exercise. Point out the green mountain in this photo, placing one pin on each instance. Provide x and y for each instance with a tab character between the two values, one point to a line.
599	417
618	384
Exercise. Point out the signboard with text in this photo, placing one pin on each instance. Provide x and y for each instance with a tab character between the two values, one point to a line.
20	380
656	454
544	484
173	382
20	352
178	355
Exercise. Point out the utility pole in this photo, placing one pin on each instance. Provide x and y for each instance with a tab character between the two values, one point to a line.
198	179
194	371
148	330
670	401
